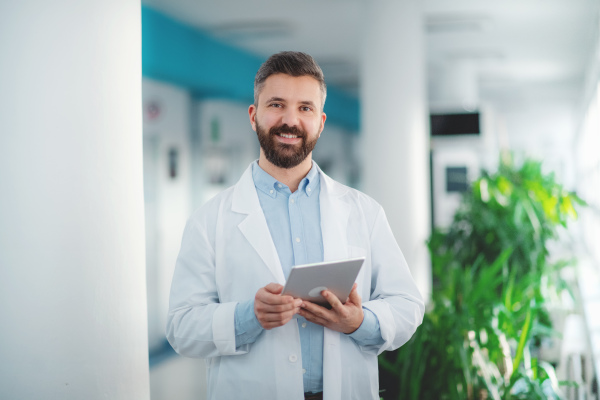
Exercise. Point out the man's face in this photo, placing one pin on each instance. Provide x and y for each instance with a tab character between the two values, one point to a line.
288	119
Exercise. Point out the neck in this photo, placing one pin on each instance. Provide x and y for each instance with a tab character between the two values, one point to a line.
291	177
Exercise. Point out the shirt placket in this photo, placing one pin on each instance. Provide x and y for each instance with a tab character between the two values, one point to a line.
298	237
300	257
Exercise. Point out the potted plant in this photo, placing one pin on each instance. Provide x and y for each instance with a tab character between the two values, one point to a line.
491	279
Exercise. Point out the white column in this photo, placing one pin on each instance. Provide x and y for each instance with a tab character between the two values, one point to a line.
72	278
395	125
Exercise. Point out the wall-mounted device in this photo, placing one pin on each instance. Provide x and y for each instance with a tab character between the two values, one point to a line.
455	124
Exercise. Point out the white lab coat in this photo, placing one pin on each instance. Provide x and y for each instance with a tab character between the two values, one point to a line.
227	254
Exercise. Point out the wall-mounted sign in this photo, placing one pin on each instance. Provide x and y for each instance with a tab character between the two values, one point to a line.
456	179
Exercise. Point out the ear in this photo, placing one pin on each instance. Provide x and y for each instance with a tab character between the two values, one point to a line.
252	115
323	118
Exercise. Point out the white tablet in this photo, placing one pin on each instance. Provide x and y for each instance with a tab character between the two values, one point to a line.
309	280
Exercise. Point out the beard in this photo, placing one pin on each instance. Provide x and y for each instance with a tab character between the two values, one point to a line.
281	154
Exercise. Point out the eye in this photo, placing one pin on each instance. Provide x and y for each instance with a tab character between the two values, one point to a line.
305	108
276	105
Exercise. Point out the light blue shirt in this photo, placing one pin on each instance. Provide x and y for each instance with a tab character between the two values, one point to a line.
294	221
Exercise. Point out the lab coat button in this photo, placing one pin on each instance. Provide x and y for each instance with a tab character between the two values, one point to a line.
293	358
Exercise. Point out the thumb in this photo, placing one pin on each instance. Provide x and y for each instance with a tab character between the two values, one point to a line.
354	297
274	288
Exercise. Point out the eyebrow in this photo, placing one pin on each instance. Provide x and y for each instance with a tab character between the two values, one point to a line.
304	102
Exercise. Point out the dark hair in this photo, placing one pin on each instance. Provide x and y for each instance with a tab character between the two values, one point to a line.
291	63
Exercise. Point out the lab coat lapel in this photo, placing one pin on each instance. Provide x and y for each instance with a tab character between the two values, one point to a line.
334	219
254	227
334	224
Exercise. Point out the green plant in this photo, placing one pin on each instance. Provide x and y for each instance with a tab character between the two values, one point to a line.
492	276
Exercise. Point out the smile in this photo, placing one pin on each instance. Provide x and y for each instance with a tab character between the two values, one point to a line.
287	135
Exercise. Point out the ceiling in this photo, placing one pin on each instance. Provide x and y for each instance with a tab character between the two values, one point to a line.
511	49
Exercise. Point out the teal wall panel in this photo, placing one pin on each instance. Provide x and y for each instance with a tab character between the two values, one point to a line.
192	59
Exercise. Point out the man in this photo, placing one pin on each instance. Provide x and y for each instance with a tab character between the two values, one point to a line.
237	250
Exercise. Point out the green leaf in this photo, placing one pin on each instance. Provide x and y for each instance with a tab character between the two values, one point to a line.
522	341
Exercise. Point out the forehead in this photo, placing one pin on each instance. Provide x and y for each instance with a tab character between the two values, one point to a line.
291	89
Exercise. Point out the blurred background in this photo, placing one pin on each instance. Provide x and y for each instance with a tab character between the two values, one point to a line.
422	97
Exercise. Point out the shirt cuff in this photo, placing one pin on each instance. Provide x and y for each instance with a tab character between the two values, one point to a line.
368	333
247	327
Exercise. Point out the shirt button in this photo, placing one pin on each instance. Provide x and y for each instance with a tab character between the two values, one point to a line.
308	190
298	240
303	371
293	358
271	191
292	201
304	324
279	185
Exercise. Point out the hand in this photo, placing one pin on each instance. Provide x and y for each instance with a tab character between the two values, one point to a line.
345	318
272	309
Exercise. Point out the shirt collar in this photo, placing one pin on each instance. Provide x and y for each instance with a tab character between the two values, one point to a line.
311	180
271	186
263	181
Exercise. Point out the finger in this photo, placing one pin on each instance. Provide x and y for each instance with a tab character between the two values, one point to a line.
315	309
272	320
275	308
354	297
274	288
265	302
275	324
279	317
271	325
309	316
264	296
336	304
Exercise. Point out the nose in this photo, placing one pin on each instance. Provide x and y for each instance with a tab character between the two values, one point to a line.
290	117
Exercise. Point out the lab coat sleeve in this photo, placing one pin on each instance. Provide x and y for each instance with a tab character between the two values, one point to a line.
198	325
395	299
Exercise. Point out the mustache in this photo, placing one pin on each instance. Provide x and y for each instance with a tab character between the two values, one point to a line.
292	130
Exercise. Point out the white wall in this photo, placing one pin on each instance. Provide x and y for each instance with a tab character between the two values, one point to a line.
336	152
543	129
224	145
587	163
167	199
475	152
536	126
72	279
